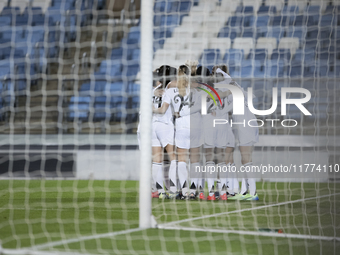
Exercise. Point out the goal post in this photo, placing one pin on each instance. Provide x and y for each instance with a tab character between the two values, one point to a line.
145	108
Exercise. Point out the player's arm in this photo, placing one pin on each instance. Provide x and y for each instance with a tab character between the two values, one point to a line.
223	94
162	109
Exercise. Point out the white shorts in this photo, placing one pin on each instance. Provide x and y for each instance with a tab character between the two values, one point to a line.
162	134
220	136
246	136
186	138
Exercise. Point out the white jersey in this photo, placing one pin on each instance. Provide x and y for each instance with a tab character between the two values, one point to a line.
246	134
188	125
165	118
187	106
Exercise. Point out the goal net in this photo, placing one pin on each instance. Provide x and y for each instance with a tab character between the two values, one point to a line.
237	154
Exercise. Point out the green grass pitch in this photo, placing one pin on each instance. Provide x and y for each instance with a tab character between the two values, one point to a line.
35	212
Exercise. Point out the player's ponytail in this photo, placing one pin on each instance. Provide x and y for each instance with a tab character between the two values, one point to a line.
183	79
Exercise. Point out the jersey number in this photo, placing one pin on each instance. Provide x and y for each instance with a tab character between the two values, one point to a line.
188	101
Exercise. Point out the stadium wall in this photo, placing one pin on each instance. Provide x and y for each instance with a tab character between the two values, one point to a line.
116	157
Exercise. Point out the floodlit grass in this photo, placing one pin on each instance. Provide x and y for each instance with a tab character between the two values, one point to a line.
34	212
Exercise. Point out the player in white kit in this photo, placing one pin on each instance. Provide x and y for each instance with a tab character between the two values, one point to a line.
221	139
162	130
186	104
247	136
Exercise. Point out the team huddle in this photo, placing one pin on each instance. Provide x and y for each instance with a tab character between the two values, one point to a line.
186	103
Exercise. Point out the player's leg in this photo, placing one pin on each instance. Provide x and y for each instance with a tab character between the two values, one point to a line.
182	155
172	170
248	183
157	170
210	172
195	156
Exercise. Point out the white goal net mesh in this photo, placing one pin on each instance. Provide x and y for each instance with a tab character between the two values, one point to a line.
70	108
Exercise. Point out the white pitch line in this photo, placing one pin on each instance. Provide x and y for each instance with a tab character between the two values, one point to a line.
83	238
242	210
256	233
67	209
31	252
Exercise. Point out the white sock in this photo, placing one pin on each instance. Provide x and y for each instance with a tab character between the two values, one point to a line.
183	176
223	181
244	186
210	179
157	169
173	176
153	177
194	181
233	184
166	168
251	182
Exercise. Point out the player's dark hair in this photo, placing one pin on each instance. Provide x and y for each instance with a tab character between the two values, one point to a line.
184	69
203	71
166	74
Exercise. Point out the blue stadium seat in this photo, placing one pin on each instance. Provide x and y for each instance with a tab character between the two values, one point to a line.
281	54
274	68
185	6
295	68
159	6
4	69
235	21
247	69
280	21
310	70
134	33
135	55
115	89
327	20
326	55
133	88
326	69
108	67
102	112
247	32
10	11
248	21
266	9
210	57
5	20
244	9
21	20
33	10
234	67
80	100
78	111
130	71
304	55
258	54
301	20
312	9
332	9
170	20
117	53
276	32
261	32
262	20
172	6
233	54
299	32
230	32
289	9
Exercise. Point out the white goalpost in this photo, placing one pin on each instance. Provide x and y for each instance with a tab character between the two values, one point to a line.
146	113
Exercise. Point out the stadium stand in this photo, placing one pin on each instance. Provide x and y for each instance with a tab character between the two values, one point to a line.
257	39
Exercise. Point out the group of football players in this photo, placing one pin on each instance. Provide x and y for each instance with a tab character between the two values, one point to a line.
195	147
